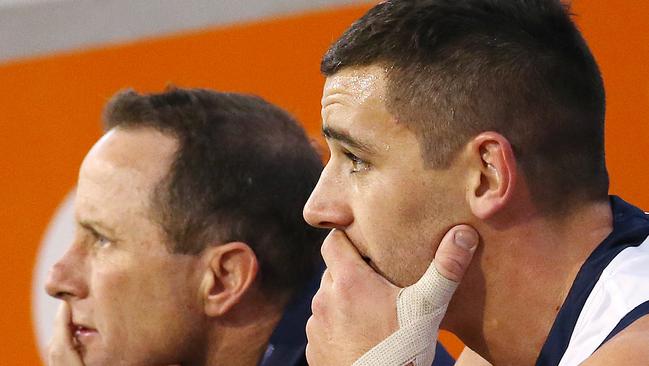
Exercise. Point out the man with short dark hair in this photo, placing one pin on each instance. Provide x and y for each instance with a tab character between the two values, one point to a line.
190	247
488	113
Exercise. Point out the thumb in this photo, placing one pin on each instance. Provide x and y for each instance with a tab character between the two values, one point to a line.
455	252
434	289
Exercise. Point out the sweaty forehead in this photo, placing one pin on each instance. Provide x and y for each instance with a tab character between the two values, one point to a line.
355	85
354	111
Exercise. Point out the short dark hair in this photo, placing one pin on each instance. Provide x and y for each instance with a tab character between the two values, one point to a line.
456	68
243	171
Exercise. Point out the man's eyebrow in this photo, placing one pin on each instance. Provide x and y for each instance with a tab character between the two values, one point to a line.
95	227
333	134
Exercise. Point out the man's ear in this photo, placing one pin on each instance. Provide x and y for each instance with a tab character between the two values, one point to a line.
493	174
230	272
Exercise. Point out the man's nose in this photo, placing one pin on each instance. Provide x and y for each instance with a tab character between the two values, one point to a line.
327	206
66	278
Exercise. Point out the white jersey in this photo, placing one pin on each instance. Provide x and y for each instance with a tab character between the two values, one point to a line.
610	291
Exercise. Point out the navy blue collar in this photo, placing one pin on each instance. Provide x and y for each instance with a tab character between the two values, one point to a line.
630	228
288	341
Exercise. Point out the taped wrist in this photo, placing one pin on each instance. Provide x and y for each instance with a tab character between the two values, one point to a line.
420	309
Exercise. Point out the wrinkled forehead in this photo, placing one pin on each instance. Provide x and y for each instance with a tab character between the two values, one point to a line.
356	85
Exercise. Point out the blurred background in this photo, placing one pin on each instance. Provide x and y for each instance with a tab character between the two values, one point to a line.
60	61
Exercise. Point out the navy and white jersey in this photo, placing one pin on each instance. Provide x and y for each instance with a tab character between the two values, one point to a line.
610	291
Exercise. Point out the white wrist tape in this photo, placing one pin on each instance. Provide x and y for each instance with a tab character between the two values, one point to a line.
420	309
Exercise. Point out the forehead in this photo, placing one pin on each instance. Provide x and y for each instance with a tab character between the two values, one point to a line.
362	82
356	86
141	149
121	170
354	102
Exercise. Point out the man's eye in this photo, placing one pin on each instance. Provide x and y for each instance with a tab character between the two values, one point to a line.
100	240
358	164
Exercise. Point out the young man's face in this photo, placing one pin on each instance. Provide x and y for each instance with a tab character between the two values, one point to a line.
376	186
132	301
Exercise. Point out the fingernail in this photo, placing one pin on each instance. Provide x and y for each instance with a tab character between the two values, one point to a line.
465	239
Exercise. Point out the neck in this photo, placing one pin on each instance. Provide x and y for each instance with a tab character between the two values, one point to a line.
241	337
520	278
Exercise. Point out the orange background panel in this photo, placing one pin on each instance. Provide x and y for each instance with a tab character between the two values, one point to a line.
618	33
51	107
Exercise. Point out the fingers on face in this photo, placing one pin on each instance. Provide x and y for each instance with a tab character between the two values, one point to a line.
62	322
62	348
455	252
345	265
338	251
313	334
311	328
318	302
327	280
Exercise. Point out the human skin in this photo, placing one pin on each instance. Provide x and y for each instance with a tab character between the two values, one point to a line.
349	290
62	347
125	302
361	189
378	190
129	299
360	193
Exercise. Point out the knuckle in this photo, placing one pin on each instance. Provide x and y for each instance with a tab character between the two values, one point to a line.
326	275
345	283
325	248
309	328
328	247
318	306
451	267
308	352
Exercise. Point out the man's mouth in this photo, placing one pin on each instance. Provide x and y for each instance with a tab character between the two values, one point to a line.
361	252
82	333
80	329
373	265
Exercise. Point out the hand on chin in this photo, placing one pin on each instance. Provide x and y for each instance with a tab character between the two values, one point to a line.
357	309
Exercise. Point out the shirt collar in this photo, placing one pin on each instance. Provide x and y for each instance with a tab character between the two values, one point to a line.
288	341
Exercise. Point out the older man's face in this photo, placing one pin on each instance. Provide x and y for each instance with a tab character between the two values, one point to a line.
132	301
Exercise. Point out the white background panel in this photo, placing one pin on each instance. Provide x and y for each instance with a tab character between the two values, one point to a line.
36	27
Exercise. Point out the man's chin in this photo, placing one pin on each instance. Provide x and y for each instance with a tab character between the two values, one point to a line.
91	357
388	275
378	270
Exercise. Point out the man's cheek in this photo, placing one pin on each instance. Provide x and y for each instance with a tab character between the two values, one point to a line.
406	263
